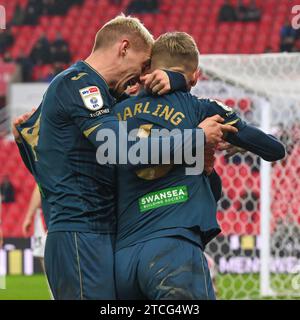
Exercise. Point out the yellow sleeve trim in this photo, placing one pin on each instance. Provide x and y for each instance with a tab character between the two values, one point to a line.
90	130
232	122
80	75
31	136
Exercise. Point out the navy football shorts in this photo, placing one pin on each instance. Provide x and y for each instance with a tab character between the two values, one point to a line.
80	265
169	268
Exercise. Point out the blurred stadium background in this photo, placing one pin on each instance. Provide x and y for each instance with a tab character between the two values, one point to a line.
250	61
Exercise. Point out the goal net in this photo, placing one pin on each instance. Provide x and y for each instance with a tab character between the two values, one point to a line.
258	252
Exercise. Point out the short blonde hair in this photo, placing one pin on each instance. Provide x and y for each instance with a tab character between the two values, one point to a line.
175	49
123	25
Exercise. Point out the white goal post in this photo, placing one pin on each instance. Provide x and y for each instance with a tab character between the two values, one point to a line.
258	253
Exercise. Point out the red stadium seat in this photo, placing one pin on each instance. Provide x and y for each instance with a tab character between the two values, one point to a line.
199	19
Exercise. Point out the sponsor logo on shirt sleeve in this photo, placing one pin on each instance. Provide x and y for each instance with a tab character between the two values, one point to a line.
92	98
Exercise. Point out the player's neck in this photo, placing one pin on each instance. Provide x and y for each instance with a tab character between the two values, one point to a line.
103	65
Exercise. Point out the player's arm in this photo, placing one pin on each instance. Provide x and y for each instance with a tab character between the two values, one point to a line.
188	142
255	140
164	81
94	121
215	185
24	155
248	137
161	82
179	144
34	204
22	150
213	178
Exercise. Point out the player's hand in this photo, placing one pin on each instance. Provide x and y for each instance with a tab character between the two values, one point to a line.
214	130
27	225
230	149
21	119
157	82
209	159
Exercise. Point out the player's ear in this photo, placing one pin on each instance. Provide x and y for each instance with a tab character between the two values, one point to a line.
124	46
195	78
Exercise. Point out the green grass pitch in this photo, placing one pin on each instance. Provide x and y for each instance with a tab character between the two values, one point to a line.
25	288
35	287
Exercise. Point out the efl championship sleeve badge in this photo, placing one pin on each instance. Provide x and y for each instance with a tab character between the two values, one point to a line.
222	105
92	98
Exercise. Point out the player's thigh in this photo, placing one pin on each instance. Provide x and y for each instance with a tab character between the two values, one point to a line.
126	263
96	262
174	268
80	265
61	266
